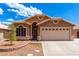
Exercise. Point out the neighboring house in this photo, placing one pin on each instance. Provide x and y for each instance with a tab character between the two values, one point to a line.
43	27
4	32
76	31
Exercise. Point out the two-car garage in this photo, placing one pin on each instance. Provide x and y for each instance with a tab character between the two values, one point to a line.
55	33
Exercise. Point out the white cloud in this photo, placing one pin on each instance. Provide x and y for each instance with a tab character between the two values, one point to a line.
11	20
23	10
1	11
4	22
8	21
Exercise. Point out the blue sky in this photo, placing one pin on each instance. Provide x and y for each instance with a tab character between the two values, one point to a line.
10	12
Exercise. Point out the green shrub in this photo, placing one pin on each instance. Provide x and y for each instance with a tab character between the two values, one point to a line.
12	36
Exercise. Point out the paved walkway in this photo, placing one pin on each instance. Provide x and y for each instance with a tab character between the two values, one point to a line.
60	48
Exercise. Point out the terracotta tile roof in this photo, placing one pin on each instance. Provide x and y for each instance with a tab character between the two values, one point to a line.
52	18
58	18
43	21
22	22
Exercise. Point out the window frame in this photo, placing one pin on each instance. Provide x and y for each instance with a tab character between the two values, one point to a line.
22	31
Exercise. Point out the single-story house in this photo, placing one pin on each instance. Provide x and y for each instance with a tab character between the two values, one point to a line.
4	31
43	27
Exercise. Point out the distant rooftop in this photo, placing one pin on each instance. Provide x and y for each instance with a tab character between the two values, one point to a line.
4	27
76	27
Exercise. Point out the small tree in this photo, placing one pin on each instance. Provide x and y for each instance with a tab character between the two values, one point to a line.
12	36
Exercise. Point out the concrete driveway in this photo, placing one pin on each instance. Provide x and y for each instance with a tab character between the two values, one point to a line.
61	48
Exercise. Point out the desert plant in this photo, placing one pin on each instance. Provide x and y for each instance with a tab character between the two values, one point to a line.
12	35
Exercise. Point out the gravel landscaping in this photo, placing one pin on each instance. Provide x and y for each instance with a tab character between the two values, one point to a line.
5	45
31	49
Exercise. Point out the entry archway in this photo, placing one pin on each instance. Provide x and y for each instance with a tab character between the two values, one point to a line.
34	31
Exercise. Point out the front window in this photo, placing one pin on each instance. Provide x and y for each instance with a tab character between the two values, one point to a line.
20	31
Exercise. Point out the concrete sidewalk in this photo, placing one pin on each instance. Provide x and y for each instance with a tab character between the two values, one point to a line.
61	48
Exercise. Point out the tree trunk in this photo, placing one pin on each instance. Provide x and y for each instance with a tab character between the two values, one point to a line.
11	42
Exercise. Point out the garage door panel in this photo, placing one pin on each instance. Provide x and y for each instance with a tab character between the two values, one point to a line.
49	34
62	35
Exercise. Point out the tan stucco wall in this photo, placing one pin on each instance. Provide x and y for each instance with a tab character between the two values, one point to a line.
75	33
5	34
1	35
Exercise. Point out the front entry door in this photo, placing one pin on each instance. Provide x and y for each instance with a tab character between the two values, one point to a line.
34	31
